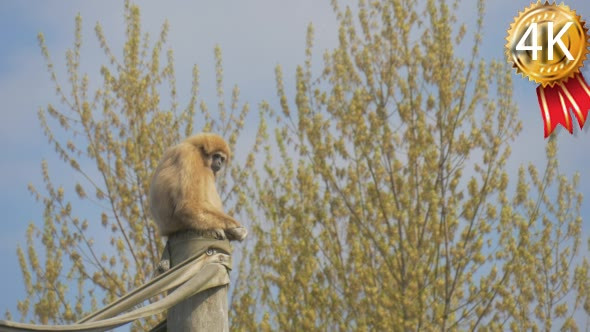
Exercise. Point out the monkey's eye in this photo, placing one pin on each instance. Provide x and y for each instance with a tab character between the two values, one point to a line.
219	156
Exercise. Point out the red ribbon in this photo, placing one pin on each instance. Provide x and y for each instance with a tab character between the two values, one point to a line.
556	101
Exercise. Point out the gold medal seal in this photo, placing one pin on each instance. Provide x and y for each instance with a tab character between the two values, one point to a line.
548	43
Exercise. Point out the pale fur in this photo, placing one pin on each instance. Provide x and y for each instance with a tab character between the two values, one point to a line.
183	195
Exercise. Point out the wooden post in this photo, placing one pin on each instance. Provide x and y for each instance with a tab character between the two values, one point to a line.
207	310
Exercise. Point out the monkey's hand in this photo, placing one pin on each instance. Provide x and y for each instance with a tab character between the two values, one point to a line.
238	233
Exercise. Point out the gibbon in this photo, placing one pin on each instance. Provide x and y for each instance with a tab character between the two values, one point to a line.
183	195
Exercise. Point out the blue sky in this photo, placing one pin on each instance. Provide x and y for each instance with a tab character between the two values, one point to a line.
254	36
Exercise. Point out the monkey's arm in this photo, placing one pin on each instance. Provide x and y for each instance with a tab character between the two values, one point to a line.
203	216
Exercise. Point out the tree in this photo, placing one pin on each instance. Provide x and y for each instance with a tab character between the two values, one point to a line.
388	206
380	202
113	137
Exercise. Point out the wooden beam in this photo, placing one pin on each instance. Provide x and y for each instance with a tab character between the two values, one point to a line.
207	310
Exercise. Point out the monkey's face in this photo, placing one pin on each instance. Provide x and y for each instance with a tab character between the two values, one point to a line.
217	161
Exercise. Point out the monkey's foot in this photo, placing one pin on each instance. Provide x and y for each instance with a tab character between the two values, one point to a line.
238	233
216	233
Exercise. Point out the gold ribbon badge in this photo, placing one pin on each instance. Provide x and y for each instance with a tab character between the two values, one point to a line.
548	43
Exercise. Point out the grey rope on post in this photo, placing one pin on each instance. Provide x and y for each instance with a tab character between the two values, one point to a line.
197	273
